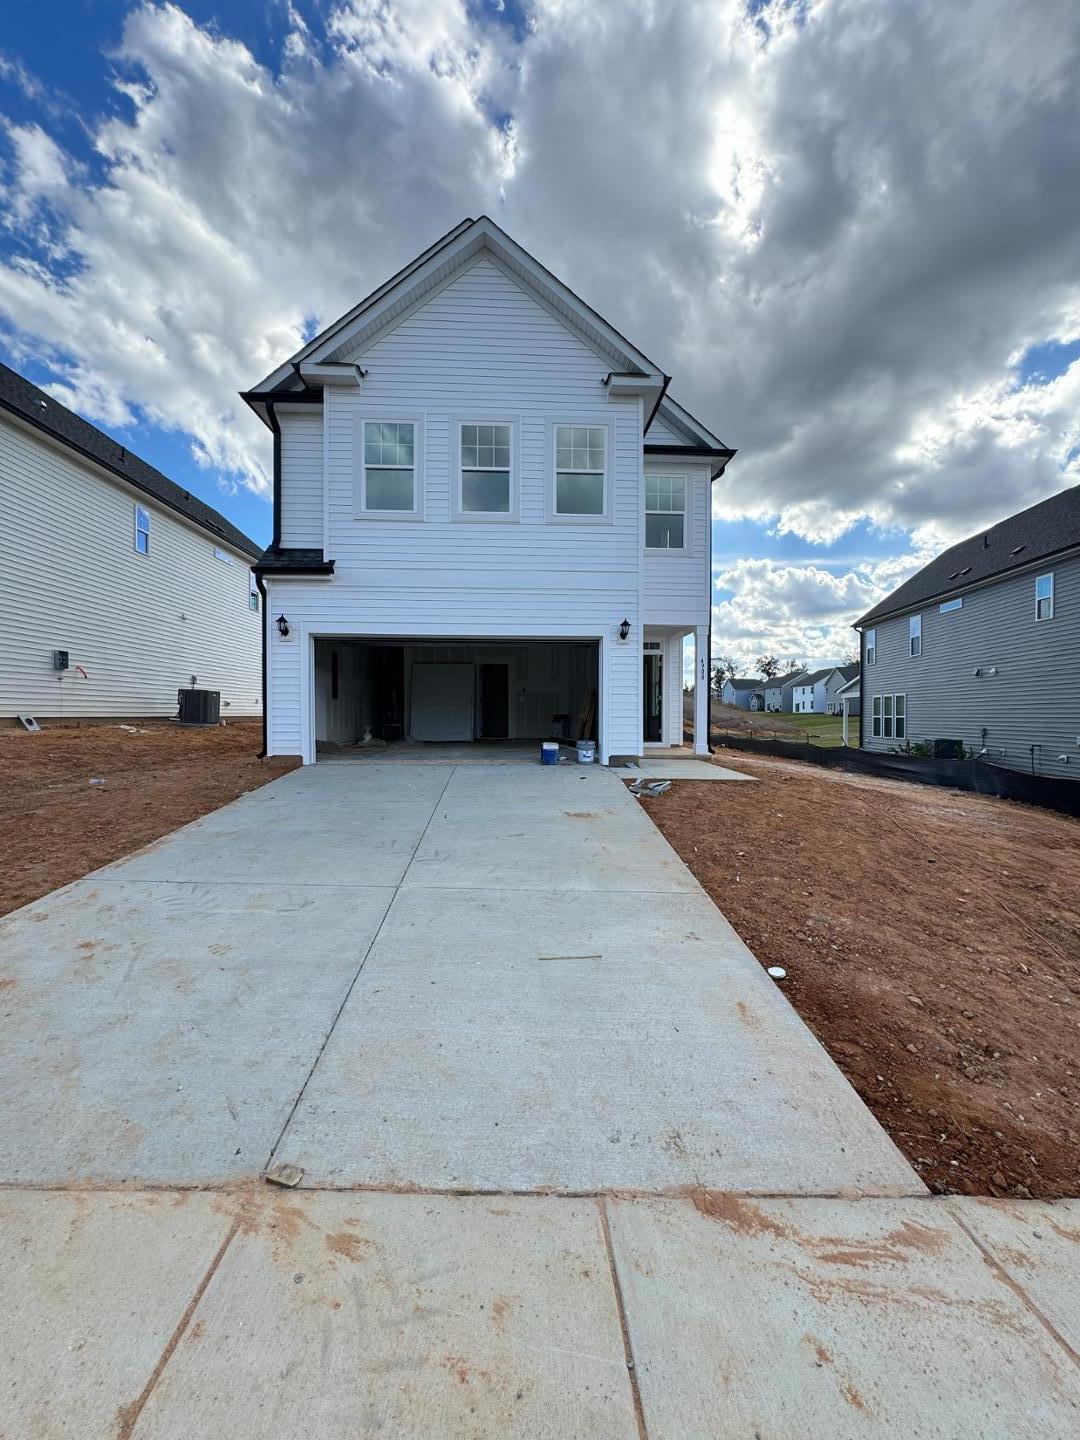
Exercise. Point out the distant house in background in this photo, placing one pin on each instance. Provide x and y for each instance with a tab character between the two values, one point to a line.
743	693
117	586
808	692
841	676
849	698
775	690
980	648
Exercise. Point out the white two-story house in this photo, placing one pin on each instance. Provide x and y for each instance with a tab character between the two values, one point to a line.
491	520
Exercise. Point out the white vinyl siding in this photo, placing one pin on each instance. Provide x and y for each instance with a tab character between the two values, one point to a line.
139	625
302	461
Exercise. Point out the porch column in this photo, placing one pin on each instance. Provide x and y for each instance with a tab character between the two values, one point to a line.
702	681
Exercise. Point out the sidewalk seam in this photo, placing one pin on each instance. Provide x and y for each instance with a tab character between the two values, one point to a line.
1011	1283
129	1414
628	1349
363	961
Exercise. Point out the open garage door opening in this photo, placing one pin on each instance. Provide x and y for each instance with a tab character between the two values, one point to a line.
371	694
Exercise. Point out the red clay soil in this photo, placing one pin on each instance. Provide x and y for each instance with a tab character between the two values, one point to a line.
55	825
932	943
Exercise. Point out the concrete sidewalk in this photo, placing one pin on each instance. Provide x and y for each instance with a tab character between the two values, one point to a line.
540	1093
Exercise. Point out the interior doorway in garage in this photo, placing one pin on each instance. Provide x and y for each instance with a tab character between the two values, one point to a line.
373	692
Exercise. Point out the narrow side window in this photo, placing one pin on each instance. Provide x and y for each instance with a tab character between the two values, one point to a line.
142	530
915	634
877	717
1044	597
900	716
871	647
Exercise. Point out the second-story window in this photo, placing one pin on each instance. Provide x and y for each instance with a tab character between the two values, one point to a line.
1044	597
871	647
142	530
915	635
389	467
486	469
580	471
665	512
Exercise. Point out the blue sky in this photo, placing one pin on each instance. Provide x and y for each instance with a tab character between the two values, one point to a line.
869	286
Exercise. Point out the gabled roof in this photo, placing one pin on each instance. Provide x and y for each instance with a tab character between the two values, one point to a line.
692	439
848	672
1051	527
33	406
853	684
812	677
779	681
744	684
347	336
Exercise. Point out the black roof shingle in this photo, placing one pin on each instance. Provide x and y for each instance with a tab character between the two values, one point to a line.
24	400
1045	529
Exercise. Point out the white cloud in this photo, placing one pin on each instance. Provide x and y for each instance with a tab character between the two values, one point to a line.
838	226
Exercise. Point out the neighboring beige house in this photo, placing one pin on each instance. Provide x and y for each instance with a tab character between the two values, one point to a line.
117	586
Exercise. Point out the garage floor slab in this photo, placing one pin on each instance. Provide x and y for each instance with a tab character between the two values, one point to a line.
523	1040
162	1031
799	1318
360	1315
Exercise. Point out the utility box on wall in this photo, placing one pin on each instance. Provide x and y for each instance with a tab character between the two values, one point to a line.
199	707
60	660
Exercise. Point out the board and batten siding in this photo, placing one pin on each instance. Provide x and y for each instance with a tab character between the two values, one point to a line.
139	625
480	347
1032	701
302	461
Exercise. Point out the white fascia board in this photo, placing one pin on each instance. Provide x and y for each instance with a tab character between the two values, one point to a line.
647	386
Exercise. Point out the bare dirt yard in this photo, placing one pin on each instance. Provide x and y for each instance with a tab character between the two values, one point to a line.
932	943
55	825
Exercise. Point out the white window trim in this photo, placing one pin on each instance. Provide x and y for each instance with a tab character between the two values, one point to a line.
594	423
902	695
1047	575
419	485
876	709
948	606
913	635
685	548
141	510
486	517
871	646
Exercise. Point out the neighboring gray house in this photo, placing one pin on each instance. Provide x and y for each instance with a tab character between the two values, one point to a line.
982	646
808	692
841	676
743	693
775	688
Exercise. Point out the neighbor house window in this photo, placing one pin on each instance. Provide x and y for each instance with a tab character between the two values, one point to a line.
877	717
142	530
580	470
886	716
253	595
871	647
389	485
915	634
948	605
1044	598
665	512
900	716
486	469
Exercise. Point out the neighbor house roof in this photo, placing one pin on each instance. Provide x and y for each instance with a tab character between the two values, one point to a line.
813	676
849	672
1048	528
779	681
37	408
745	684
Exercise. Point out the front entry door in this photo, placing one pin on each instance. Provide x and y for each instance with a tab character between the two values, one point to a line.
494	701
654	695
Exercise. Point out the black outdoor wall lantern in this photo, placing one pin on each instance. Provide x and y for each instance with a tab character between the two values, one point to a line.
282	626
624	630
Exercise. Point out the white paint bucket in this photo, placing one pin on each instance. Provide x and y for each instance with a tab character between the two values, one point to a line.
586	752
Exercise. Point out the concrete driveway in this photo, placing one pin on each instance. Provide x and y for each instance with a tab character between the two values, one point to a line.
538	1090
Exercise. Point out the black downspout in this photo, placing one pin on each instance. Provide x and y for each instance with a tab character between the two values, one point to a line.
862	683
275	542
264	612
